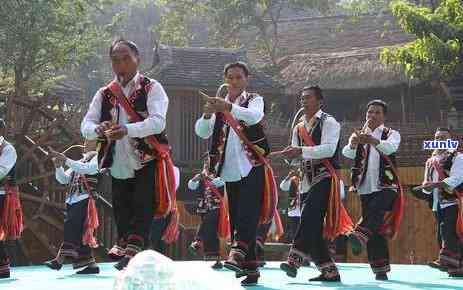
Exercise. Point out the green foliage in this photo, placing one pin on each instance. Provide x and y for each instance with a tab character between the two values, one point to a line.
437	51
357	7
227	19
41	37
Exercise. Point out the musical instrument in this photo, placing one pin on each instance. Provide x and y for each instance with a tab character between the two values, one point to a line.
295	121
221	92
47	153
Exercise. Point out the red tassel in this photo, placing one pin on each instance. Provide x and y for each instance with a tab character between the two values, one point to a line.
91	224
12	223
270	199
171	232
167	197
393	219
459	225
224	223
337	220
278	232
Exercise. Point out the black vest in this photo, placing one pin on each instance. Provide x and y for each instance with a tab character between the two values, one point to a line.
446	165
92	182
316	134
387	178
138	102
254	133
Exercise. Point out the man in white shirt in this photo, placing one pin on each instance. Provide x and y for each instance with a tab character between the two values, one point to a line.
237	165
443	179
209	193
123	147
8	189
374	178
82	181
291	185
323	131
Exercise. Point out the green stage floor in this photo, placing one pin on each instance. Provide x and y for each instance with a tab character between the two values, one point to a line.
354	276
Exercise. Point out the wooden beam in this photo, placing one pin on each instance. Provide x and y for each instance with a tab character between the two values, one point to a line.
37	177
30	197
52	221
43	239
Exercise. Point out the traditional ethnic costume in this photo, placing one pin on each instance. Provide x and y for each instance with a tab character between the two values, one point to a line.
140	164
11	217
447	167
374	177
81	216
323	216
237	153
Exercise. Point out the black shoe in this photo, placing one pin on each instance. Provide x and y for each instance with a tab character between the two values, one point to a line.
290	270
193	249
53	264
456	275
231	265
323	278
122	263
261	264
240	274
355	244
251	280
381	277
437	265
116	253
217	266
89	270
5	275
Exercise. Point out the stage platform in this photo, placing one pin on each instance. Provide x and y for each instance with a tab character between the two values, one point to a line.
354	276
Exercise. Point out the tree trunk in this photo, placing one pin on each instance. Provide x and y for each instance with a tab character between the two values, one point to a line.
12	113
402	102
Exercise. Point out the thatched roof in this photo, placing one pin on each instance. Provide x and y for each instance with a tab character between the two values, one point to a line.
331	34
202	68
353	69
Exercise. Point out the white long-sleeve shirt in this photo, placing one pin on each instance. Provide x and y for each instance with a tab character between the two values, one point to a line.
79	167
285	185
125	159
454	179
236	164
328	144
8	159
371	182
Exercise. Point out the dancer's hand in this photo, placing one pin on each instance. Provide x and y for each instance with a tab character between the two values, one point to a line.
104	126
57	158
116	133
291	152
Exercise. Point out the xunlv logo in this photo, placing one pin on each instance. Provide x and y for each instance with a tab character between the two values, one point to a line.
449	144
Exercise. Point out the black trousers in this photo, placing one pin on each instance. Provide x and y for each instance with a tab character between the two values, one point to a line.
308	240
438	217
262	232
158	228
451	254
133	205
74	227
74	222
291	227
207	233
245	199
374	207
